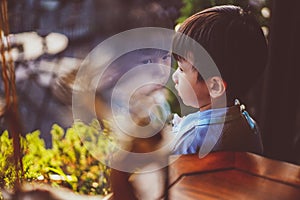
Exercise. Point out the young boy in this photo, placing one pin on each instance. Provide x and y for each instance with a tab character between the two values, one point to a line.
235	42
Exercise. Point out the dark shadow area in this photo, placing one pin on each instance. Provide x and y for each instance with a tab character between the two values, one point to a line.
280	95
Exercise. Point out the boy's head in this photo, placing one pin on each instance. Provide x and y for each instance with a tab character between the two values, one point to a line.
233	39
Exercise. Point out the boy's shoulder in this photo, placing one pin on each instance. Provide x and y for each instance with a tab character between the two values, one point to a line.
199	118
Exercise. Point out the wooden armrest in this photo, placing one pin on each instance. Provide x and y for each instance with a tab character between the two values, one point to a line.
232	175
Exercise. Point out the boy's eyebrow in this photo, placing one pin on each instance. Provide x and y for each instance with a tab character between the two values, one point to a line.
152	52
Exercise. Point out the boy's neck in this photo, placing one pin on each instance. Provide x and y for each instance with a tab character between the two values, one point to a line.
217	103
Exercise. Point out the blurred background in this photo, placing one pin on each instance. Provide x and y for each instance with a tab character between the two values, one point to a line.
52	37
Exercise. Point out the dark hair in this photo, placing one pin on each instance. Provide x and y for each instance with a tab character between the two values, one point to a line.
233	39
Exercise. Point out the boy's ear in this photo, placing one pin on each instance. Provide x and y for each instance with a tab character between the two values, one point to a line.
216	86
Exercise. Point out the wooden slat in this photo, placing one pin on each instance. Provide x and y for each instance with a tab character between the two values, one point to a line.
268	168
187	164
231	184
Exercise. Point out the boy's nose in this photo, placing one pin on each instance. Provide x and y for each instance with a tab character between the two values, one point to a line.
174	77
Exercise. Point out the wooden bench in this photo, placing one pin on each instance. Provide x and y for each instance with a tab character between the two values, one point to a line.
232	175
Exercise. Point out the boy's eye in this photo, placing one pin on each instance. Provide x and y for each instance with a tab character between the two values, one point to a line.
180	69
166	57
148	61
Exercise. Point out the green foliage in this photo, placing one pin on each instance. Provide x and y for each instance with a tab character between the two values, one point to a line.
68	163
192	6
7	172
